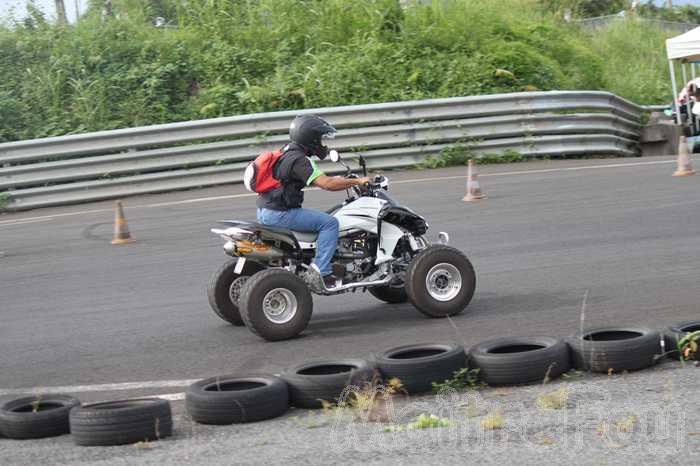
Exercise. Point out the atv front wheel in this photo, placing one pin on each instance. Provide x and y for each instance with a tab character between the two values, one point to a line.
440	281
224	289
276	304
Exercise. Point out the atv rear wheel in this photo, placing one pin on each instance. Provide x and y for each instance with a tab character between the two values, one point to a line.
440	281
224	289
276	304
390	294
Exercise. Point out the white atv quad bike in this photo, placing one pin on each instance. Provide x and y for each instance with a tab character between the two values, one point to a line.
381	249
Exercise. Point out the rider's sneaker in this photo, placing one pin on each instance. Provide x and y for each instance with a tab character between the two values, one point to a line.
329	281
317	282
313	279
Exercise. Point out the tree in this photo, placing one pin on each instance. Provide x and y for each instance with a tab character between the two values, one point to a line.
586	8
61	12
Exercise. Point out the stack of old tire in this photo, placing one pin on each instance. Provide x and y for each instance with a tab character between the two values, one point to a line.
504	361
98	424
237	399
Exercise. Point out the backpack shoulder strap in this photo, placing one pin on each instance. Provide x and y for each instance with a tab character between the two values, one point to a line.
284	164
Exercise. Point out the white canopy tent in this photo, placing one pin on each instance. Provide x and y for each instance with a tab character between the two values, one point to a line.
684	49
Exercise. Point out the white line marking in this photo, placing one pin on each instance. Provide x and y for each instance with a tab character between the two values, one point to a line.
166	396
192	201
22	222
172	396
413	180
417	180
99	388
66	214
527	172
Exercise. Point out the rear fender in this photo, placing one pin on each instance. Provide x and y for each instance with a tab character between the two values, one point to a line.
264	233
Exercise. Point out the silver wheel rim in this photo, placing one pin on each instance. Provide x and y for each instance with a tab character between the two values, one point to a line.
280	306
234	291
443	282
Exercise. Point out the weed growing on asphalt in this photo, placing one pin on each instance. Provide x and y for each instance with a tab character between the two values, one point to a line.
35	404
424	421
312	421
544	440
368	401
572	374
460	154
493	421
472	408
688	345
461	379
472	411
331	408
507	156
4	200
626	425
556	399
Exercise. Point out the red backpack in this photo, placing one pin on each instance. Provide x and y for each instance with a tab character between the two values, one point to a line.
258	174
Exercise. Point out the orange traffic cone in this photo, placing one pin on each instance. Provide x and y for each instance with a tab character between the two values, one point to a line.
473	189
685	167
121	229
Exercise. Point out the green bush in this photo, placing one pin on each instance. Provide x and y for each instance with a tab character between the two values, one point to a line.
228	57
635	61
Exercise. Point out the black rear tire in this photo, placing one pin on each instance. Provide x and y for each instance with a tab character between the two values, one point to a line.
219	289
438	264
390	294
276	304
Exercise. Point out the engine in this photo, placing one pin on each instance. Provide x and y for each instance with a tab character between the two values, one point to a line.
353	257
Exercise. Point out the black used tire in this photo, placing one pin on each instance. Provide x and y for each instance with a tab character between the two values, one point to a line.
121	422
516	360
674	333
418	271
19	421
219	288
390	294
311	382
616	348
231	399
253	295
418	366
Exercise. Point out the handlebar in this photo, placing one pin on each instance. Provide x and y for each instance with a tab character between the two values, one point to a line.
379	182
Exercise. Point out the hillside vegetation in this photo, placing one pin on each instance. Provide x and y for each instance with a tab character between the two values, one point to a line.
228	57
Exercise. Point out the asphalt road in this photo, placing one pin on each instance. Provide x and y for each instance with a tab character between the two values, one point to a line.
75	310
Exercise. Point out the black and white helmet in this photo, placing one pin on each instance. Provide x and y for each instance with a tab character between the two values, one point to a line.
309	131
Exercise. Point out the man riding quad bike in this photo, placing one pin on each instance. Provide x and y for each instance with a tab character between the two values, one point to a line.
368	243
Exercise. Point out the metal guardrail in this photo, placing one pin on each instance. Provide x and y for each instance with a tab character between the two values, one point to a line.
88	167
605	21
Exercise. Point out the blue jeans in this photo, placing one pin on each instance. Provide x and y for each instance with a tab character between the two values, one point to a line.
307	220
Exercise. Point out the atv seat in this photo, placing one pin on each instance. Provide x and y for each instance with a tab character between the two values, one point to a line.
305	236
301	236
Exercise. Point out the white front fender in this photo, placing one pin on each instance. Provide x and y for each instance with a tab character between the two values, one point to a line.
390	236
